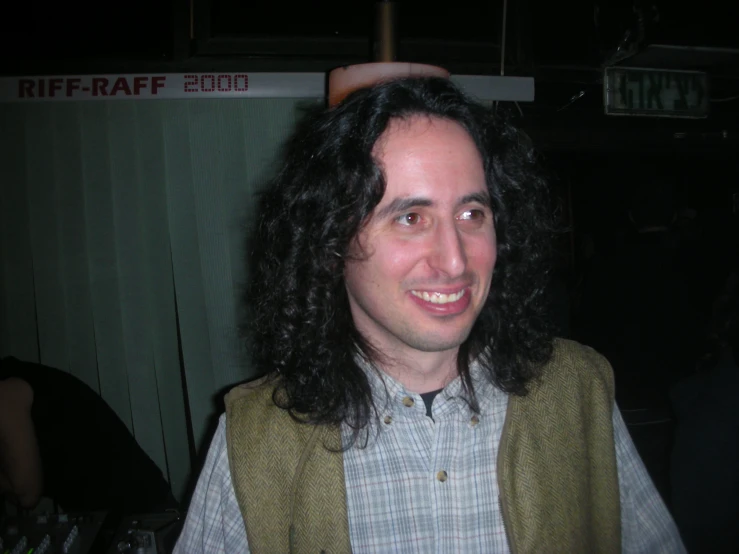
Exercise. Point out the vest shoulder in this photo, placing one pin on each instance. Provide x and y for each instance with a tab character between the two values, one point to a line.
575	362
253	405
254	393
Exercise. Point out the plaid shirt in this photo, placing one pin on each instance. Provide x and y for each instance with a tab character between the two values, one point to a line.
426	485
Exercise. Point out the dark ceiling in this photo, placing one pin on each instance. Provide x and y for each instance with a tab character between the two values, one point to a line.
579	32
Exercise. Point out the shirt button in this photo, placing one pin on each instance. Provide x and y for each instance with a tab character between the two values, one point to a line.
475	420
408	402
442	476
388	420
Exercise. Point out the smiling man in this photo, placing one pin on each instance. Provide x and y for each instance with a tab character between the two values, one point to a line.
425	256
414	399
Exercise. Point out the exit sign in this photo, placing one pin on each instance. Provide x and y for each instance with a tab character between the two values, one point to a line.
655	92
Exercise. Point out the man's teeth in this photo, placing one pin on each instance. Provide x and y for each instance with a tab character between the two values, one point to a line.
439	298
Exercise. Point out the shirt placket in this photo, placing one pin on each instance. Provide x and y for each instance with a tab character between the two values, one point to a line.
418	436
442	475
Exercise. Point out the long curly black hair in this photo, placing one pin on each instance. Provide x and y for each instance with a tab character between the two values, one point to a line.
302	329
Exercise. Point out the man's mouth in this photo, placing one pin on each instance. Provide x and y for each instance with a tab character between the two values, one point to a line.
439	297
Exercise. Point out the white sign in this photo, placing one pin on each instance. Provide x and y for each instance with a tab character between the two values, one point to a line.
164	86
168	86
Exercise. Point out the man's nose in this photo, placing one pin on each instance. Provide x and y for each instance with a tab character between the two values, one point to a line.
447	251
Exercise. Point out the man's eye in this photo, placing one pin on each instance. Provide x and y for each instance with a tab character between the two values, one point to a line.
409	219
472	215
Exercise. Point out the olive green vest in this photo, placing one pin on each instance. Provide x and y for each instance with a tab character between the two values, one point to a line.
556	466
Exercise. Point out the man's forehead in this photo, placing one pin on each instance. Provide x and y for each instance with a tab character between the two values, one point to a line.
425	149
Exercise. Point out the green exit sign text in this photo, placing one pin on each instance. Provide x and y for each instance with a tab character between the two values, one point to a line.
655	92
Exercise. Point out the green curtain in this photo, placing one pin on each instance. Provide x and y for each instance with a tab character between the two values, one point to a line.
122	250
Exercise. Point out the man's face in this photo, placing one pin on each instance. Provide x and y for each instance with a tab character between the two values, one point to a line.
426	253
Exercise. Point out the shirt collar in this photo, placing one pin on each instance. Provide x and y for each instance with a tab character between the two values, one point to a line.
389	394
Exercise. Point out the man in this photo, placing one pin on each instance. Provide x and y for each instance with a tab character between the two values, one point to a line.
415	401
60	440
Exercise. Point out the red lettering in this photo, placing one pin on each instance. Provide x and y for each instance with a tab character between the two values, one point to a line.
120	85
25	88
72	85
191	83
99	84
244	80
224	87
139	83
157	83
207	86
55	85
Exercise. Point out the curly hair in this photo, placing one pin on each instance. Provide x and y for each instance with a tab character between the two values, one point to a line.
302	328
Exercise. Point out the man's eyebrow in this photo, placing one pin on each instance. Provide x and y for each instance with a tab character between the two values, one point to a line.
479	197
400	205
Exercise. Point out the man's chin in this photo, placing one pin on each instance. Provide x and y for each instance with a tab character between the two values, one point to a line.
440	342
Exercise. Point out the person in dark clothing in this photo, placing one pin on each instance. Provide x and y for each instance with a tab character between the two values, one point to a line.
59	439
705	457
637	304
